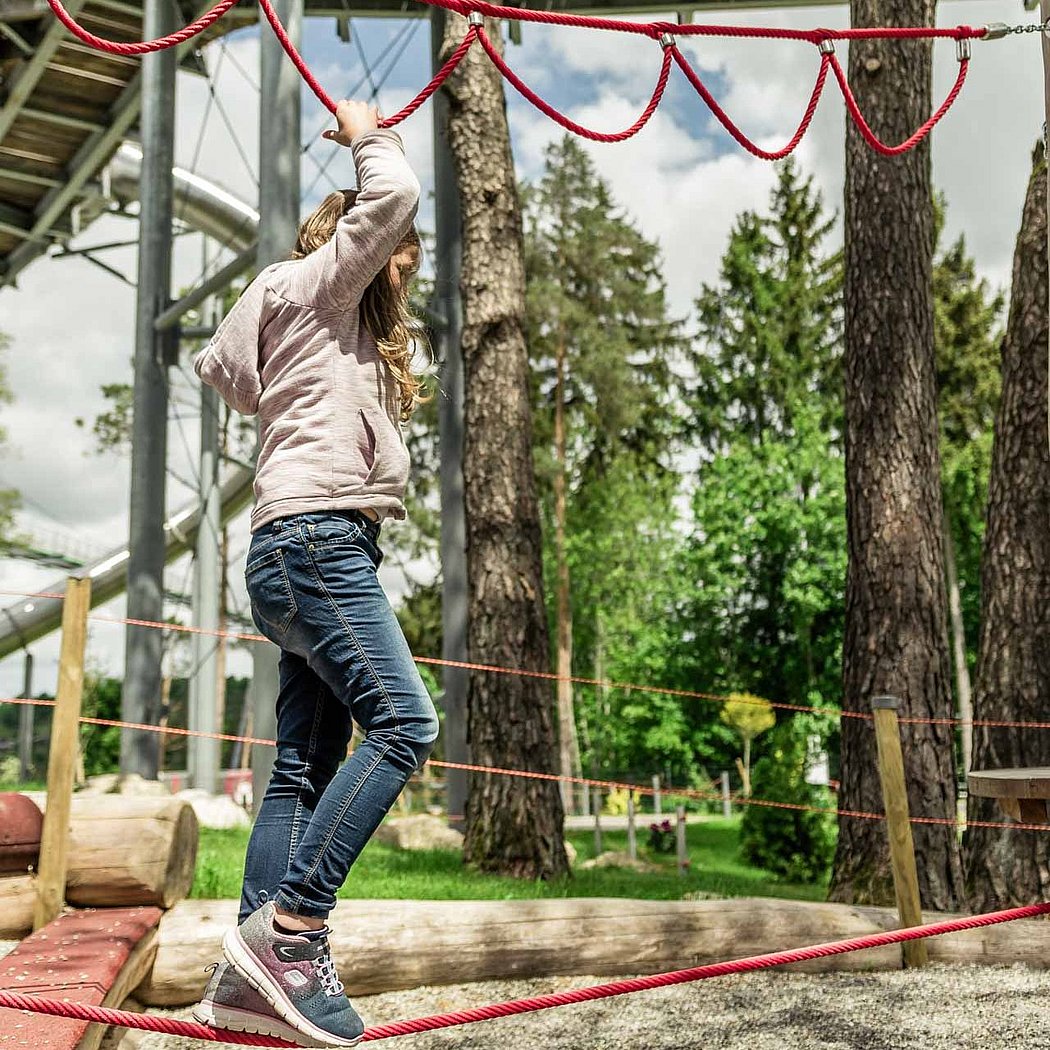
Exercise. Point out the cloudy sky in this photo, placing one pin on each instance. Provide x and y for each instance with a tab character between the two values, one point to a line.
682	179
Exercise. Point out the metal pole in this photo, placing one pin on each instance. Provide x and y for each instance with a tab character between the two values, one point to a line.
727	809
656	794
25	723
680	843
279	137
448	303
144	646
632	836
204	752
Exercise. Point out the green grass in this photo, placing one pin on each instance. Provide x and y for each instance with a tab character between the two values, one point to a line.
384	872
30	785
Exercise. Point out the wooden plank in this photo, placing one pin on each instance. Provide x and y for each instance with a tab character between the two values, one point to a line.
898	823
24	78
1010	783
93	956
62	756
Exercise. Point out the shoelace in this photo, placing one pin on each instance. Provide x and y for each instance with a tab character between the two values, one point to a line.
325	969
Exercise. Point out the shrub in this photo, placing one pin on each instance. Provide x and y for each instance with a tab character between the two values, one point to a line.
796	844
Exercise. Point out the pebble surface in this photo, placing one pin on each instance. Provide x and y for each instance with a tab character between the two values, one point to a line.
938	1008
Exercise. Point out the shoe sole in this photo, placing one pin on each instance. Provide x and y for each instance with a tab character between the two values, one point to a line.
248	966
233	1020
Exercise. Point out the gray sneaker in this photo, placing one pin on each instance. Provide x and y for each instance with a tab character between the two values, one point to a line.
294	973
230	1002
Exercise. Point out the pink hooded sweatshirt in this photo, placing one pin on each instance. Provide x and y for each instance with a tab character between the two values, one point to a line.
293	349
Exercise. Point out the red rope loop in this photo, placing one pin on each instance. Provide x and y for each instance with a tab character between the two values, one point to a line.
565	122
171	1026
723	118
910	143
141	47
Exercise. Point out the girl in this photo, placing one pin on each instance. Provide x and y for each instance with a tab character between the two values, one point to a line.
320	346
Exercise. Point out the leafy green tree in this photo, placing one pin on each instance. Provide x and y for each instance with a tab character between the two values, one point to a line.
767	545
749	716
601	349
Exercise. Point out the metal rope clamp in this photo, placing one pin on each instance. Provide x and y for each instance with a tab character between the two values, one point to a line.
667	40
827	46
962	50
476	18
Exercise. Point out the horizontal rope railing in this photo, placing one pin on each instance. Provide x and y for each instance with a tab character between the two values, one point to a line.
605	683
668	791
532	1004
665	33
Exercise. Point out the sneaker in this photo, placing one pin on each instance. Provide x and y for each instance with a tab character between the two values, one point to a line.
294	973
230	1002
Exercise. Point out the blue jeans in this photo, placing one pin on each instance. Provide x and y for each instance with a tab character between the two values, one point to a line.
314	592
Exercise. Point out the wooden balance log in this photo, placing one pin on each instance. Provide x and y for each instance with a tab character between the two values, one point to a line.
122	851
1022	794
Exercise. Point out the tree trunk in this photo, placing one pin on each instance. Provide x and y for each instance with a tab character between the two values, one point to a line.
514	824
962	672
896	638
568	743
1013	665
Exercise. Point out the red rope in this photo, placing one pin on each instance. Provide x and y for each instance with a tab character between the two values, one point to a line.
153	1023
141	47
701	89
655	30
918	136
565	122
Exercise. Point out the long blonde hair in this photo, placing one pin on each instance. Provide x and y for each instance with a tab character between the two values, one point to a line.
384	308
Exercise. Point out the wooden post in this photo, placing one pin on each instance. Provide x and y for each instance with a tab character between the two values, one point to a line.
898	823
656	793
727	809
62	755
632	838
596	804
683	854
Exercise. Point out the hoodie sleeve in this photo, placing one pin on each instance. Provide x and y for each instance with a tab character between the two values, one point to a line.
230	361
367	235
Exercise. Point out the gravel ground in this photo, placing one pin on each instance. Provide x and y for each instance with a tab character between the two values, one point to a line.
939	1008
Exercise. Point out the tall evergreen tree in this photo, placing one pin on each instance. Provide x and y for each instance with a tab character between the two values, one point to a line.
896	639
600	346
771	329
514	824
768	544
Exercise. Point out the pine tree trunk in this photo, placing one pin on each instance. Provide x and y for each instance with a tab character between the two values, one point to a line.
568	744
1005	867
896	637
514	824
962	672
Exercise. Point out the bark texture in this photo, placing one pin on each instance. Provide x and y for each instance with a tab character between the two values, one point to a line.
1006	867
514	825
896	639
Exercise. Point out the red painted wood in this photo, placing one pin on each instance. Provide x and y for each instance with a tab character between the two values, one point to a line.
78	957
20	825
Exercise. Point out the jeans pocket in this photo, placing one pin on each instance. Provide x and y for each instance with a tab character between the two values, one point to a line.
270	592
332	529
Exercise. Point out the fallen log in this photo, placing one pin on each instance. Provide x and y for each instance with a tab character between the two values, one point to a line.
123	851
385	945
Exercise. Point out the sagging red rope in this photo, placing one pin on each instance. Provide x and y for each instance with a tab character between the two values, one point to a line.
171	1026
664	32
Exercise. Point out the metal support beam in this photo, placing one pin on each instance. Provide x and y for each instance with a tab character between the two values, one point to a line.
234	268
280	135
14	175
144	646
27	75
448	304
62	119
25	723
204	752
